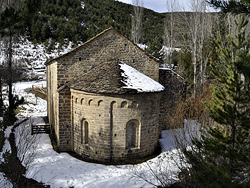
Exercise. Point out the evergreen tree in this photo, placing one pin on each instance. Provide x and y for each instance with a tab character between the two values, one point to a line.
224	150
154	48
236	7
17	17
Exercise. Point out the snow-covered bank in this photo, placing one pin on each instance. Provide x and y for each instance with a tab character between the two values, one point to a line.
62	170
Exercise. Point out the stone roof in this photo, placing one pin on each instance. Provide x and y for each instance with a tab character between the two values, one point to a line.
106	78
93	39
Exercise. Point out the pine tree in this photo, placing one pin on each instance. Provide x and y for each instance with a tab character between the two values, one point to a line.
224	150
154	48
236	7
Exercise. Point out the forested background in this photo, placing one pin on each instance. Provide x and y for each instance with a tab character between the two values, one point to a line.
67	19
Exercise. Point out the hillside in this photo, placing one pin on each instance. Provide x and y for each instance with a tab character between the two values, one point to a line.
81	20
63	24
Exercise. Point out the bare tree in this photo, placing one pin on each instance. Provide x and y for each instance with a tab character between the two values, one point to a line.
204	53
199	25
160	172
136	31
1	83
169	30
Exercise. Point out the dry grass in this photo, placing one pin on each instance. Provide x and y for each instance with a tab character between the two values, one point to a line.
191	109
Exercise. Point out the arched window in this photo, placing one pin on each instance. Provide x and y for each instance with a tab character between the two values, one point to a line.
132	134
90	102
82	100
100	103
134	104
86	129
84	132
124	104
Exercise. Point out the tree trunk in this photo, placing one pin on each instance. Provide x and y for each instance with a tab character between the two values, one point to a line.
10	51
1	96
136	31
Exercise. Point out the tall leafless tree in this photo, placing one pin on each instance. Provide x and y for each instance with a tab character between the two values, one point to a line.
136	31
169	30
199	26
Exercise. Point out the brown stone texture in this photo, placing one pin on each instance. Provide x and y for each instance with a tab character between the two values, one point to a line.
104	78
53	98
107	117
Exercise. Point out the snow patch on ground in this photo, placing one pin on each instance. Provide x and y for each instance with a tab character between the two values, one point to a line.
136	80
4	182
142	46
34	106
167	50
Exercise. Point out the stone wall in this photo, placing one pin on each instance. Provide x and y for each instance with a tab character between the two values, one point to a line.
108	118
65	117
52	98
175	91
109	45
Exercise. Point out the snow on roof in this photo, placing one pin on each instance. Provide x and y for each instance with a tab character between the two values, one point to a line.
133	79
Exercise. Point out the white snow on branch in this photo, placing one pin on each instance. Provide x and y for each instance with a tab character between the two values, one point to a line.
133	79
82	4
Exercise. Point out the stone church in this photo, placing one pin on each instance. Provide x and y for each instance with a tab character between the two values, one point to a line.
105	101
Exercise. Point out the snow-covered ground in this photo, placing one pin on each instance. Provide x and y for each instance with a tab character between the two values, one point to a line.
62	170
34	106
32	57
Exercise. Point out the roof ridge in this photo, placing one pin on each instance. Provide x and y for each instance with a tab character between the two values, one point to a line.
96	36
